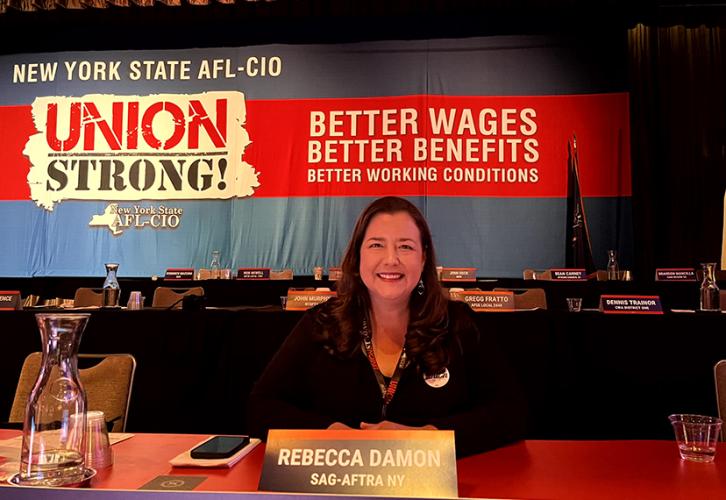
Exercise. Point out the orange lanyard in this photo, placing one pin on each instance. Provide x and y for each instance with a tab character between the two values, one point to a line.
387	390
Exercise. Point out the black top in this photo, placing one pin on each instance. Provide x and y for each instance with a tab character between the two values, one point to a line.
306	387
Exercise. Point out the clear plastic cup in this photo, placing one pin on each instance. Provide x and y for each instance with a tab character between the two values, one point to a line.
696	436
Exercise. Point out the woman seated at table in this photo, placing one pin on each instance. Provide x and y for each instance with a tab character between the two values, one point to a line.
391	352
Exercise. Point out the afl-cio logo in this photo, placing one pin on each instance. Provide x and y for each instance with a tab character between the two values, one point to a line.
119	218
172	483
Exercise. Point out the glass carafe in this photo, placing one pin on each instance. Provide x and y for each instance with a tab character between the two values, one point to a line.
214	266
54	429
709	288
111	288
613	269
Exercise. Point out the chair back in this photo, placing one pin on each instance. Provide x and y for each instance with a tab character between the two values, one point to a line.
108	386
530	298
88	297
165	296
719	373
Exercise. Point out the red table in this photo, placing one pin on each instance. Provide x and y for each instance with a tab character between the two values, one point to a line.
560	470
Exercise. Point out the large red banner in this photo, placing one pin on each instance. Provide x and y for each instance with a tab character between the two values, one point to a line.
412	145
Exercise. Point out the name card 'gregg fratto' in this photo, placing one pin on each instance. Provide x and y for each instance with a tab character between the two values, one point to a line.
351	462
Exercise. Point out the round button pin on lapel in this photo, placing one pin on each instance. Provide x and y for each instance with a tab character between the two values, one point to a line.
438	379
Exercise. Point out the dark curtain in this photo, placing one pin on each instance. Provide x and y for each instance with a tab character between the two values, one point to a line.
678	110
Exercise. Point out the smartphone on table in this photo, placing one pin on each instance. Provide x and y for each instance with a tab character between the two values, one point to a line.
220	447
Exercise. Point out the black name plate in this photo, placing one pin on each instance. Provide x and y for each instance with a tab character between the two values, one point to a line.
568	274
10	300
180	273
631	304
253	273
458	274
675	274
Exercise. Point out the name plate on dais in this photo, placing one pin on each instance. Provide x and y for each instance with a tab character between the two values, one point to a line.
631	304
179	273
302	300
488	301
675	274
351	462
568	274
458	274
253	273
10	300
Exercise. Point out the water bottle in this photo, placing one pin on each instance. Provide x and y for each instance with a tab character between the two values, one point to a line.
54	429
709	289
111	288
214	266
613	273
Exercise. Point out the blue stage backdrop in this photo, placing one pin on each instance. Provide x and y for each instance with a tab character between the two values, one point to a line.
268	153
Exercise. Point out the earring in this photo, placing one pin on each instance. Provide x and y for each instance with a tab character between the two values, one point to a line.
420	287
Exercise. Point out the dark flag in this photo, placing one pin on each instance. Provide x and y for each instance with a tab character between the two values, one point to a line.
579	248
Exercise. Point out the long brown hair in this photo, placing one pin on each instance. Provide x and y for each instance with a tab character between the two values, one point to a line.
341	319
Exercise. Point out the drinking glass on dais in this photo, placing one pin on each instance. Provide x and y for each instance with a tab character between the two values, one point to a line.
696	436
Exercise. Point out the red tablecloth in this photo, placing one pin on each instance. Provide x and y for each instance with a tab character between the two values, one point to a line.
560	470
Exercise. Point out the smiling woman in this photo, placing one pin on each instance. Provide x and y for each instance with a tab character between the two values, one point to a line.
391	351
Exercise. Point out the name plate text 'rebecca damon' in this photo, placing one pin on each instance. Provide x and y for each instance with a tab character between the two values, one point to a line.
302	300
631	304
352	462
675	274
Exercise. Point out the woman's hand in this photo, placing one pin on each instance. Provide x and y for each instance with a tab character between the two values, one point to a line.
388	425
339	426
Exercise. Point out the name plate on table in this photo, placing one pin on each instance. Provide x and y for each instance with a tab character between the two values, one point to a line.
182	273
302	300
352	462
631	304
10	300
335	273
458	274
253	273
568	275
488	301
675	274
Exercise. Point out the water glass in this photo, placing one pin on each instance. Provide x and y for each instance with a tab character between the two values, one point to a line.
136	302
574	304
696	436
98	447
